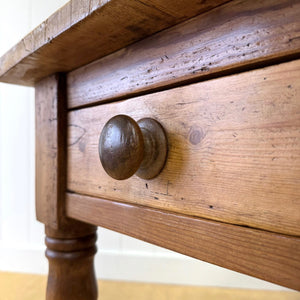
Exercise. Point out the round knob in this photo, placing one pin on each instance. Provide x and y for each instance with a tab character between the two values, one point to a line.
127	147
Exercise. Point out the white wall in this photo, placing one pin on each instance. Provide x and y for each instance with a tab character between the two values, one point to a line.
21	237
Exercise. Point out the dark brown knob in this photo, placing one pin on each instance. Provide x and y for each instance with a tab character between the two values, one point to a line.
127	147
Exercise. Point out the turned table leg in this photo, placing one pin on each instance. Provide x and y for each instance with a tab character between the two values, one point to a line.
71	269
70	243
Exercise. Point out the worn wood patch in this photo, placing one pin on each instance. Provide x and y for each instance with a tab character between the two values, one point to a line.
234	150
238	35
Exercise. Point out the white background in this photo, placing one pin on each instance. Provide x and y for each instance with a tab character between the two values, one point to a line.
22	238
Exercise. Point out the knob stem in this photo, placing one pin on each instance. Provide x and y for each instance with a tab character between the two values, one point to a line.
155	148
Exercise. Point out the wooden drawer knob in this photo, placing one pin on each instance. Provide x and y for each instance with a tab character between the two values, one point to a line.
127	147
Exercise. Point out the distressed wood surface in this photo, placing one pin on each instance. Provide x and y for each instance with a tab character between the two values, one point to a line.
240	34
51	162
234	150
50	108
269	256
82	31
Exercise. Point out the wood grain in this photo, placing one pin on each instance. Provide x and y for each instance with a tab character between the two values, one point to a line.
82	31
234	150
240	34
269	256
50	106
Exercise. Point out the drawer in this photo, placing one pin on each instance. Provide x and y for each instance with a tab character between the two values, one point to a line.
234	150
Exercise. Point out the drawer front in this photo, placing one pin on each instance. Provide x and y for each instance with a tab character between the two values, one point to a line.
234	150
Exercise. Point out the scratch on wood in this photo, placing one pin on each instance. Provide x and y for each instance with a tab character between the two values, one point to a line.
83	132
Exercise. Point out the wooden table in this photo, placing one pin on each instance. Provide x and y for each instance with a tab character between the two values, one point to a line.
222	78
